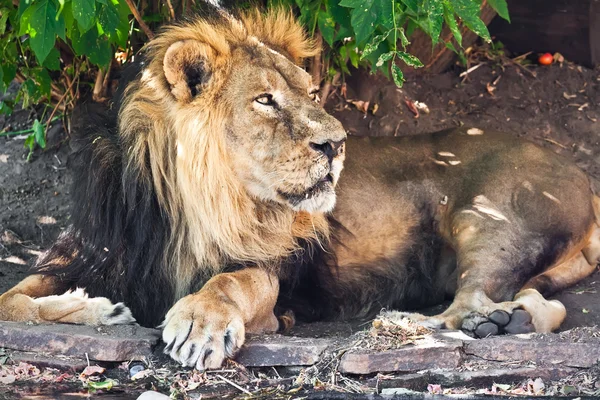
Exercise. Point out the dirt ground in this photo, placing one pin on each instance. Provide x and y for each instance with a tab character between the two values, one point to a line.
557	108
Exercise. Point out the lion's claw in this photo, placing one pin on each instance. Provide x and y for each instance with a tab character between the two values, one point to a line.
200	338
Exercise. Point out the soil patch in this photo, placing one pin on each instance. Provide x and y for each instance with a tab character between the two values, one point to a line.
558	109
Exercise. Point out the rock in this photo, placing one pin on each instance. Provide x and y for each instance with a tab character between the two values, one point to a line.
481	378
152	395
433	354
550	350
105	343
41	360
277	350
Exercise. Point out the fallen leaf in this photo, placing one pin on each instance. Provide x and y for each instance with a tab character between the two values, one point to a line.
538	386
585	105
434	389
569	390
141	374
490	88
62	377
92	370
412	108
46	220
344	90
104	385
585	311
502	387
361	105
8	379
422	107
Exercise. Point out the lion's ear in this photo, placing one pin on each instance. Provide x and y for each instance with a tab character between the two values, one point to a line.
187	68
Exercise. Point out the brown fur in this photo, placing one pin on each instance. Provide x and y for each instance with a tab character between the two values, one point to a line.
222	127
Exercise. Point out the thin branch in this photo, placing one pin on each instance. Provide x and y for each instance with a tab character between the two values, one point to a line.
235	385
140	21
97	93
171	9
58	106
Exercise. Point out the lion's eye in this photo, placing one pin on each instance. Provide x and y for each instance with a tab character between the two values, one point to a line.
265	99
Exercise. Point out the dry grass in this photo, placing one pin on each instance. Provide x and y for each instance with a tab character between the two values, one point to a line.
386	334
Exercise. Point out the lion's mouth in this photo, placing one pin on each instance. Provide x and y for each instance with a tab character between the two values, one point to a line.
324	184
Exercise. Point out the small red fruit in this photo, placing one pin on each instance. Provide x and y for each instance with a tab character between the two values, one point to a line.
546	59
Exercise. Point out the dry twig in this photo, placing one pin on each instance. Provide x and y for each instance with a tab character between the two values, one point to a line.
140	21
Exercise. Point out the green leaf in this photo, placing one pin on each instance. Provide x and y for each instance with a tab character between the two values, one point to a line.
3	87
435	18
468	11
374	44
3	18
5	108
121	35
105	385
403	38
108	17
9	71
95	47
30	144
326	26
451	47
39	134
412	5
409	59
367	15
52	62
39	22
43	81
70	23
84	12
341	15
385	57
353	56
451	22
500	7
397	75
23	5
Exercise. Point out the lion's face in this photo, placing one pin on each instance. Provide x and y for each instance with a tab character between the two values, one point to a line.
285	146
282	145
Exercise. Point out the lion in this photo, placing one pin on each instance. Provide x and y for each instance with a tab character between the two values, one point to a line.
211	200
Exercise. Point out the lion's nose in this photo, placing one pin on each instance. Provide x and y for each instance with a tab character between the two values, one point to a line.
330	148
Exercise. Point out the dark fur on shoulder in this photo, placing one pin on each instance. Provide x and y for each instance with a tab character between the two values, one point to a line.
315	288
116	241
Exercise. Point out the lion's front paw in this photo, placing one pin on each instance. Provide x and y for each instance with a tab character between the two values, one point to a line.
201	333
75	307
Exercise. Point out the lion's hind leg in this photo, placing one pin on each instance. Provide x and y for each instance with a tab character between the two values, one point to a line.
37	299
530	310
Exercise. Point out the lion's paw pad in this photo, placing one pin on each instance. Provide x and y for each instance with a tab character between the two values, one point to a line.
497	323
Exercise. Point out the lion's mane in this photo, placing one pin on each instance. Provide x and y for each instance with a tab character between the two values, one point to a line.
157	208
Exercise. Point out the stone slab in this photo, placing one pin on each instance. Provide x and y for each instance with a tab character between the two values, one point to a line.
105	343
62	363
481	378
434	354
278	350
542	351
